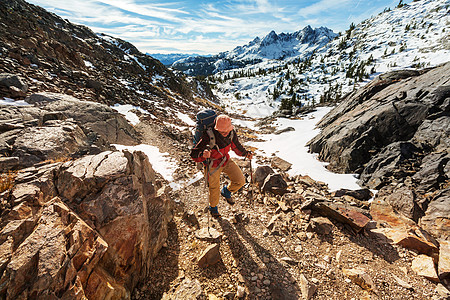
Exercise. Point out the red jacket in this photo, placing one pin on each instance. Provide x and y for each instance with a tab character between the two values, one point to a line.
223	146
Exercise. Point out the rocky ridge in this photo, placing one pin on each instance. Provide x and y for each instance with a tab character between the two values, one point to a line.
53	55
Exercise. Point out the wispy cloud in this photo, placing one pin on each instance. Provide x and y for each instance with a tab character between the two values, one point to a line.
208	26
323	5
147	10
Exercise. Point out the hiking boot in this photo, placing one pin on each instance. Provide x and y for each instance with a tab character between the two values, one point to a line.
227	194
214	212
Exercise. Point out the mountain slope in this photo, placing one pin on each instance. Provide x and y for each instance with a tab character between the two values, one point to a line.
410	36
52	54
283	46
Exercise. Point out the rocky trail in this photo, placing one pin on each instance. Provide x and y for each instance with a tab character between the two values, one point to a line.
267	247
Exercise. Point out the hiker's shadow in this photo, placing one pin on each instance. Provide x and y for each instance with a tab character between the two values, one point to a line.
377	244
282	284
167	270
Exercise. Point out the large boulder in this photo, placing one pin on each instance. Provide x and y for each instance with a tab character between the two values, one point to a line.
54	142
82	229
401	230
58	127
403	200
99	118
275	184
260	174
12	80
385	111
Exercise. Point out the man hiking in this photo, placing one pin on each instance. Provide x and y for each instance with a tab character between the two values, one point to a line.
217	160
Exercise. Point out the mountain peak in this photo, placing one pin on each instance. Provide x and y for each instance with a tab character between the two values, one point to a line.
269	39
273	46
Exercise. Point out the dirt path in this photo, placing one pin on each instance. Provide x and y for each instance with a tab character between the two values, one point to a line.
271	264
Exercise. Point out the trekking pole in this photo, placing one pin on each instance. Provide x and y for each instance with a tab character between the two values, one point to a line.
207	187
251	182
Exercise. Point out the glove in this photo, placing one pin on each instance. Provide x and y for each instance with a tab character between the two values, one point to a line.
206	154
249	155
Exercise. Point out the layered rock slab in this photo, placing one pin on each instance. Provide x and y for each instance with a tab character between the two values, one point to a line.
84	228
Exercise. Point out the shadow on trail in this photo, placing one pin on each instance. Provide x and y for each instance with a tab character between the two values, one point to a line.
164	267
282	284
375	243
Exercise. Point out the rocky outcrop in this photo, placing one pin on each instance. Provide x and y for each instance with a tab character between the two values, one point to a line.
395	133
58	127
87	228
104	121
391	108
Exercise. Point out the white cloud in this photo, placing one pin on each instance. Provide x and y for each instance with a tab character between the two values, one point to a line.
148	10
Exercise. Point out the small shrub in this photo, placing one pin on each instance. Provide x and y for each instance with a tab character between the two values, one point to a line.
7	181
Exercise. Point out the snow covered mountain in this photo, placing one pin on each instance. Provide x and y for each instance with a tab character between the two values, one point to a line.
283	46
414	35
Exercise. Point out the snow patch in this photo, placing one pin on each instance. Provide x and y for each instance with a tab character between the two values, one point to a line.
12	102
290	146
161	162
125	109
88	64
185	118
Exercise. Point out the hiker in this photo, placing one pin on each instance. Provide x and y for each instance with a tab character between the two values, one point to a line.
220	161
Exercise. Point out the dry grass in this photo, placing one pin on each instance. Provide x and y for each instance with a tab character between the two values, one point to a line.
7	181
208	103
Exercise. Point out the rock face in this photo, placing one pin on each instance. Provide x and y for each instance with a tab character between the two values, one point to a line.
395	132
391	108
84	228
94	117
57	127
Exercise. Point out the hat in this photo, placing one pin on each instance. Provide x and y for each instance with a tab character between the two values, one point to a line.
223	123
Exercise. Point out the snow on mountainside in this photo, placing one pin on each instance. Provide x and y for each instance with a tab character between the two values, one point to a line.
409	36
283	46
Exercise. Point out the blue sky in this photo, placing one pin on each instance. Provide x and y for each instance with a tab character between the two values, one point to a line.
208	27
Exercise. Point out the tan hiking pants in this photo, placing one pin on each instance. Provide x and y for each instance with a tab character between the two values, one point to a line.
234	173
